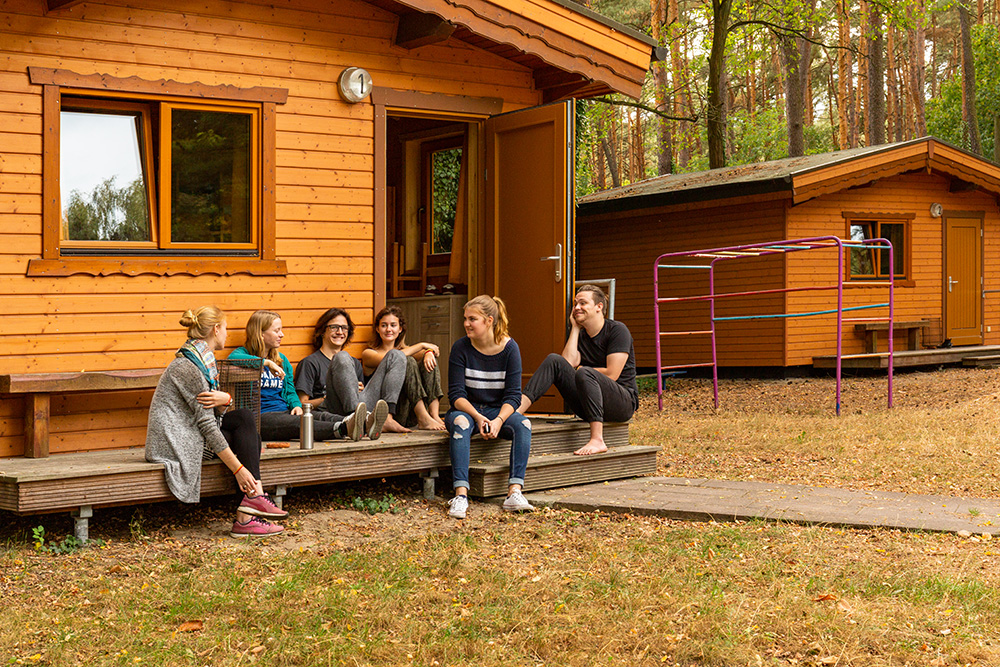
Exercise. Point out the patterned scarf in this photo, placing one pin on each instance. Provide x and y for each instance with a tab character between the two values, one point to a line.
202	356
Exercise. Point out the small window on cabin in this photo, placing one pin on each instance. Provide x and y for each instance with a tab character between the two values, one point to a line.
192	187
872	263
446	166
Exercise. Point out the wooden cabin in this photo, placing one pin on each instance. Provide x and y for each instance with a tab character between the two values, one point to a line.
937	204
252	154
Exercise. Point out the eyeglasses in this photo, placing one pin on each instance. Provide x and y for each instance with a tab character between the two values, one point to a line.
338	327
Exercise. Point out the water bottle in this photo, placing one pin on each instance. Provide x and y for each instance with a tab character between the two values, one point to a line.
306	427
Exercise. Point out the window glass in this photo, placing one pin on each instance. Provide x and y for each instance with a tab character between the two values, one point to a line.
892	232
210	177
446	165
862	263
102	177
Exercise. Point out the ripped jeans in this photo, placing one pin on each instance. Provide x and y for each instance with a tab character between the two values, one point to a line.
461	427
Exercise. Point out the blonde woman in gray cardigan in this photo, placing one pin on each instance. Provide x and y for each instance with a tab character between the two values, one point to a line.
190	418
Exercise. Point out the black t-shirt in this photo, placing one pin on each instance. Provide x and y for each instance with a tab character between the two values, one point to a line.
613	337
310	375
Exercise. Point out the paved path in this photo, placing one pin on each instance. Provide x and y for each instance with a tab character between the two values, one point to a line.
706	500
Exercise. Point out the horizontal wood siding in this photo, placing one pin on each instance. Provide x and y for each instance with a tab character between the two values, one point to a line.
911	193
324	166
624	247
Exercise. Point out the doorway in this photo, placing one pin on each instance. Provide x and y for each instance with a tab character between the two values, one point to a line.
963	278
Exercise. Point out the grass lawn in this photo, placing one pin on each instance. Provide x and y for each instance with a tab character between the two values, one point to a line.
558	587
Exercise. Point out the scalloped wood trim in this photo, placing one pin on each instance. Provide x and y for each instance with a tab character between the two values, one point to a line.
134	266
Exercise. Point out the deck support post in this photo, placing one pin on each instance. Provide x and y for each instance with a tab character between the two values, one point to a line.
81	527
429	476
279	495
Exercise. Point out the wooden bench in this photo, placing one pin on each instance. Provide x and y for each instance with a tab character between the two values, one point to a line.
37	388
914	333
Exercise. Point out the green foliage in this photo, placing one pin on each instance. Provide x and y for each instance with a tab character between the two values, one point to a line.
446	166
108	213
69	544
944	113
386	504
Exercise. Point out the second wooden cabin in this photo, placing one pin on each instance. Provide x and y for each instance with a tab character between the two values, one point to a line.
936	203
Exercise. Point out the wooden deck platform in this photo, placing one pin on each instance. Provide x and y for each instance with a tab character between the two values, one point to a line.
80	482
904	358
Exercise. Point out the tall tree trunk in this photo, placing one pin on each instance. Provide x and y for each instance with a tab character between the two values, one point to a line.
664	156
918	67
716	112
845	80
861	93
797	56
680	83
875	107
968	81
891	91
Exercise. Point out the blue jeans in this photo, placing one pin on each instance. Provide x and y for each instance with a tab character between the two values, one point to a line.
517	429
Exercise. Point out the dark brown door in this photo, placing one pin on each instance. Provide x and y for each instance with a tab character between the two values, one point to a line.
529	226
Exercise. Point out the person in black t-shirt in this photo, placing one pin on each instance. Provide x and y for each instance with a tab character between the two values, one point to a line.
595	374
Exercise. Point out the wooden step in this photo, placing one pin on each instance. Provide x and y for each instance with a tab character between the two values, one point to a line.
547	437
982	361
548	471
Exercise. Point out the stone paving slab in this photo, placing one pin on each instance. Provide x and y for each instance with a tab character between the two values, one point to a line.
720	500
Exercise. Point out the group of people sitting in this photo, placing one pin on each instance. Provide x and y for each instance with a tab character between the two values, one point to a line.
191	418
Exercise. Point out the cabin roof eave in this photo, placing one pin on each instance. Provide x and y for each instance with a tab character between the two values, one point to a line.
605	55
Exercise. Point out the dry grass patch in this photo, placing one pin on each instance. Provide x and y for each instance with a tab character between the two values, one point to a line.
939	438
555	588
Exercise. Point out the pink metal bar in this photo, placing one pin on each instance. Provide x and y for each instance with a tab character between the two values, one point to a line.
781	290
685	333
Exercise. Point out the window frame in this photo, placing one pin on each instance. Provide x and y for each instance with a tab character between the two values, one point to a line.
96	258
906	219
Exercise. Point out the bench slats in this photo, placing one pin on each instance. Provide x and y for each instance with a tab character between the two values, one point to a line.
47	383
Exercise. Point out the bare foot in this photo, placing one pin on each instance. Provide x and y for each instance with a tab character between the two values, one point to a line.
430	425
592	447
393	426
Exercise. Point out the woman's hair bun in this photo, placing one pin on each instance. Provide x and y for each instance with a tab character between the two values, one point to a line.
189	319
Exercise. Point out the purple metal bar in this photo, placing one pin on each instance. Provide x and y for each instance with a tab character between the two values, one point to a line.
656	311
704	297
840	314
892	302
711	317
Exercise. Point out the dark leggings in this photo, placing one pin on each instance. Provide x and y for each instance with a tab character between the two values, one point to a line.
591	395
286	426
239	428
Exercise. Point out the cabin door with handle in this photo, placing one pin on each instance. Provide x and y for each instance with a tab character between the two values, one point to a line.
529	226
963	279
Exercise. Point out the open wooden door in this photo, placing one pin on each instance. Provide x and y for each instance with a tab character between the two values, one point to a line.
963	278
528	242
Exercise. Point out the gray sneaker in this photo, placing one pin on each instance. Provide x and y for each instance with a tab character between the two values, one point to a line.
376	420
355	424
458	506
516	503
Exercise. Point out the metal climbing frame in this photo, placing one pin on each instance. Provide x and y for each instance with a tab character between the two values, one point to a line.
674	261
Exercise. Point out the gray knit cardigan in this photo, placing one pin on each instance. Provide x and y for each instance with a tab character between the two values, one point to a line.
179	428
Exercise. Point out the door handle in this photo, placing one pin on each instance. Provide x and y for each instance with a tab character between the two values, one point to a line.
557	258
950	283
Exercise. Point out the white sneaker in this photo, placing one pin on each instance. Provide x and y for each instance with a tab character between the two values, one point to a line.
517	503
355	424
458	506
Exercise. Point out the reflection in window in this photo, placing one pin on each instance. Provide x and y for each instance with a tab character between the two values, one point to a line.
210	177
873	262
446	166
102	176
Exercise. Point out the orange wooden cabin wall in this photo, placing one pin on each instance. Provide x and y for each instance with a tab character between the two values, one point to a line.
624	246
325	182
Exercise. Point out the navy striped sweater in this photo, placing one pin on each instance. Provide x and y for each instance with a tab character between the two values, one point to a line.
484	380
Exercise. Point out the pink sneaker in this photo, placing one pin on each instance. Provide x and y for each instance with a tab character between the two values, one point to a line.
255	527
261	506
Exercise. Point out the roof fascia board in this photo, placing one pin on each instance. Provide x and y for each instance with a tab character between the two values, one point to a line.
614	59
679	197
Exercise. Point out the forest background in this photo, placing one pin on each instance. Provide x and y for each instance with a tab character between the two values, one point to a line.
746	81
